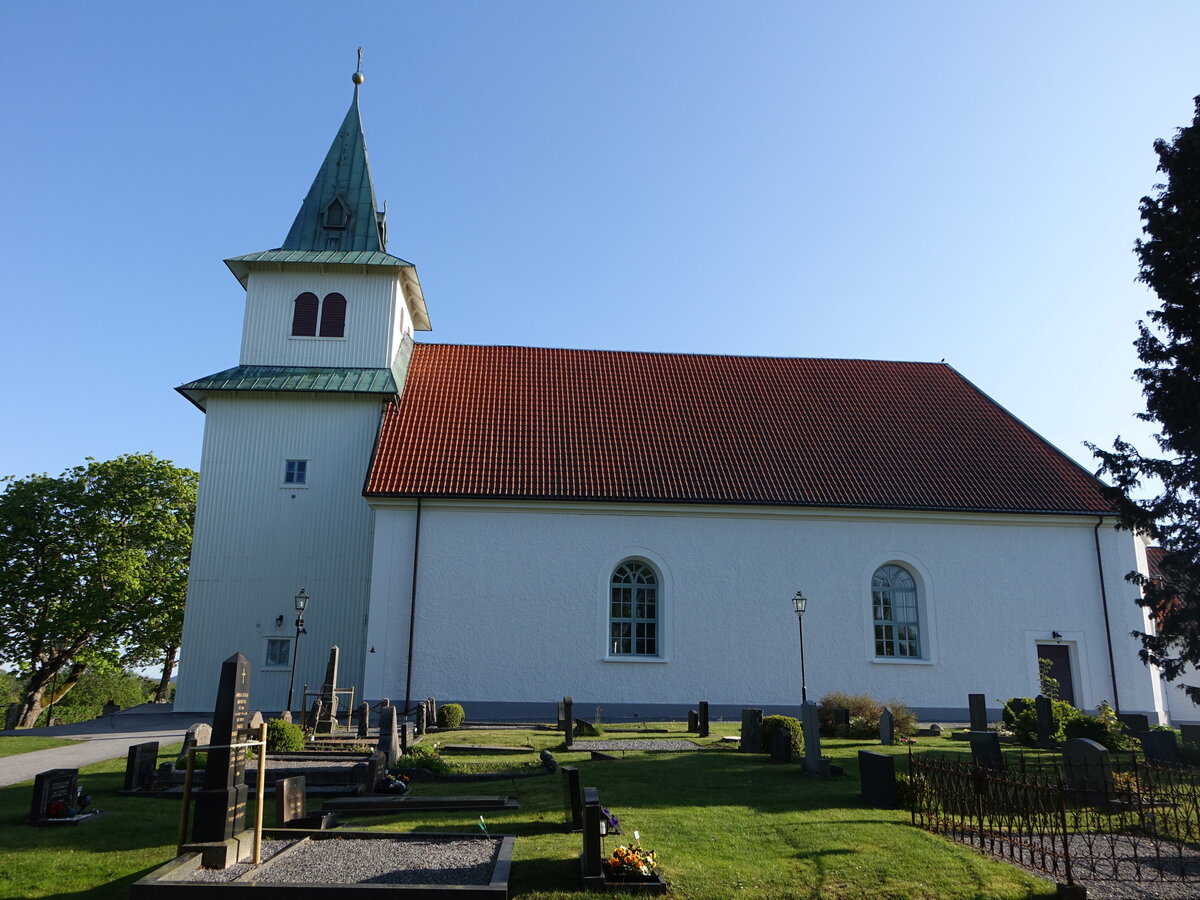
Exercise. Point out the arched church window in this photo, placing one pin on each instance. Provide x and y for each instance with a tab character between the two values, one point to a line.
633	610
896	609
333	316
304	315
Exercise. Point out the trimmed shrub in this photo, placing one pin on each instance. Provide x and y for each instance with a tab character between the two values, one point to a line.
772	724
284	737
587	729
1104	728
450	715
864	714
1024	723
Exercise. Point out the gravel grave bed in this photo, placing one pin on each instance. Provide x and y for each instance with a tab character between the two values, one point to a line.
269	849
382	861
649	744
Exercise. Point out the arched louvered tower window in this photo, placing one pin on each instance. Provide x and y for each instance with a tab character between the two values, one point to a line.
304	315
333	316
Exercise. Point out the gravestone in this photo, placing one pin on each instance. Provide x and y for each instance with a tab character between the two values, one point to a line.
752	723
376	766
977	704
703	715
569	722
50	788
781	746
1087	770
422	722
256	722
877	776
1135	722
199	735
887	728
547	759
985	750
841	722
1160	748
593	856
693	721
314	715
1190	735
364	718
810	722
221	804
291	806
389	739
406	736
431	713
560	721
328	720
575	796
385	702
286	716
1045	721
140	765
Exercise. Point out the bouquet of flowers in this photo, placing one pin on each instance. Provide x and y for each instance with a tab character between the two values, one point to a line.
632	860
395	784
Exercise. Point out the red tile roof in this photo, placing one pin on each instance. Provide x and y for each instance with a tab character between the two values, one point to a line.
535	423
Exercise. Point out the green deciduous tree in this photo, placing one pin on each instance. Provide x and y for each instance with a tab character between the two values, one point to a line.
93	567
1169	348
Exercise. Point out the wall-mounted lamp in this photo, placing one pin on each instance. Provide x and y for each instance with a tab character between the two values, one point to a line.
372	648
279	621
1056	636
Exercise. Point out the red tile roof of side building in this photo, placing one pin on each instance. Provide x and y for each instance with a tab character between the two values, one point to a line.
587	425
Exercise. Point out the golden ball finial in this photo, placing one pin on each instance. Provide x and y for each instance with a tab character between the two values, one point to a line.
357	78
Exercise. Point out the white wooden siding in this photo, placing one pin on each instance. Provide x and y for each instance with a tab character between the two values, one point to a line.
258	542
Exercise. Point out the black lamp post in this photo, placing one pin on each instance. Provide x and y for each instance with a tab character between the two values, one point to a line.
60	647
799	604
301	602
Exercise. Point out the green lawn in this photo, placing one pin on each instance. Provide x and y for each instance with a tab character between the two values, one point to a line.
11	746
724	825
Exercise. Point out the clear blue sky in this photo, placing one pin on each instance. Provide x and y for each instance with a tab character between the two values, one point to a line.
914	181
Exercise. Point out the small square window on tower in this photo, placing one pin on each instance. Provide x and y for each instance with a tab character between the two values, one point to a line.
296	472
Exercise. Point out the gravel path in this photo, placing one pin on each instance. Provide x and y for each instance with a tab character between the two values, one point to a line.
649	744
359	861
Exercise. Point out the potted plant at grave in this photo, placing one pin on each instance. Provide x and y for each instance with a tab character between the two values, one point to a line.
394	784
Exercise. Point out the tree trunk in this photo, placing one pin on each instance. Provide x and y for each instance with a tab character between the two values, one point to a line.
42	686
28	708
164	683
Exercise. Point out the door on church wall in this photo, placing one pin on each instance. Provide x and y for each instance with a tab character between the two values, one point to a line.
1059	656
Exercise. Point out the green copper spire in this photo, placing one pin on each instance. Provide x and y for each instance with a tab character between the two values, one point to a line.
339	212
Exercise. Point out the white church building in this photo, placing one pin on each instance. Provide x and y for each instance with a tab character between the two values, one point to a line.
502	526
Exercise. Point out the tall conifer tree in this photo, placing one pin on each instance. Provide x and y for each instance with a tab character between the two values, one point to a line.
1158	495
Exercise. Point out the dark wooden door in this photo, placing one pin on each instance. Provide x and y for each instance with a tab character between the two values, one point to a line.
1060	669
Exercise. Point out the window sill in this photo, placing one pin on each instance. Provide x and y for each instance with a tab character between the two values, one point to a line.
314	337
900	661
634	659
293	487
286	668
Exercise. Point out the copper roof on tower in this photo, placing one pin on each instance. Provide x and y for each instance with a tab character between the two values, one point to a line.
584	425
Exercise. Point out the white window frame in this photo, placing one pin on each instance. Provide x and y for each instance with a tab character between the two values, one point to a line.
663	602
295	484
286	641
926	623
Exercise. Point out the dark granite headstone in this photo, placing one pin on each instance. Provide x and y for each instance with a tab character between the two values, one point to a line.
781	746
389	738
328	720
221	804
811	723
877	775
422	721
364	718
887	728
693	721
1190	734
575	796
376	766
569	721
1160	748
1087	770
547	759
593	856
51	787
985	750
140	765
1135	722
407	736
977	704
841	722
751	739
703	715
1045	721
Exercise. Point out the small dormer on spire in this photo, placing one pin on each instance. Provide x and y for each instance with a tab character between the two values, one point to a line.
339	212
